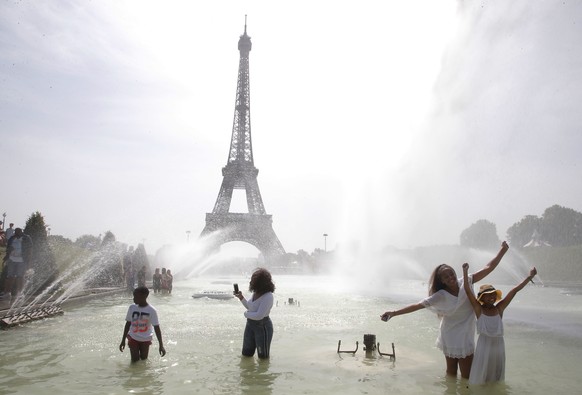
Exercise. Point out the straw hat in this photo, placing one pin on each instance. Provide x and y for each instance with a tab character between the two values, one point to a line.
488	289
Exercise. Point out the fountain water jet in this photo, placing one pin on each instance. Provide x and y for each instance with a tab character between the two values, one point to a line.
71	283
194	259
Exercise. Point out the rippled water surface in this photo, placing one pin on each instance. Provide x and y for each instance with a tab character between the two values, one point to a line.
77	353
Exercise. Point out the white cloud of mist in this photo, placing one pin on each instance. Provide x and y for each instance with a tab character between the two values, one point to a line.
397	124
501	139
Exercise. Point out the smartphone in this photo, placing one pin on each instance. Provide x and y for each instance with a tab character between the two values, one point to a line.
235	288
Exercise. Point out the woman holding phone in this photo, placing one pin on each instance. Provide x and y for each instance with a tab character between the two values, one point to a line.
259	328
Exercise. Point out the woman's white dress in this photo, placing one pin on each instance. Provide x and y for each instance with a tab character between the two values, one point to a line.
489	359
457	330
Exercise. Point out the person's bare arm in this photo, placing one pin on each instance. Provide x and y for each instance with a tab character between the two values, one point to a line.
125	332
481	274
405	310
474	302
159	336
510	295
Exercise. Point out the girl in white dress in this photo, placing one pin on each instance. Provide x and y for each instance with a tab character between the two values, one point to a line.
457	330
489	358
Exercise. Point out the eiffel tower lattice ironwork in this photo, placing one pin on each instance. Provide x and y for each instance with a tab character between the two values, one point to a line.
254	227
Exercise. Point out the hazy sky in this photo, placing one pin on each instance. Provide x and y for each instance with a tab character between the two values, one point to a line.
390	123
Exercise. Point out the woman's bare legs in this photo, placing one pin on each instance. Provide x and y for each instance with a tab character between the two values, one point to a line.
463	364
452	364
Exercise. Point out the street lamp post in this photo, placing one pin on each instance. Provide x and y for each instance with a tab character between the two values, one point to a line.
187	236
325	242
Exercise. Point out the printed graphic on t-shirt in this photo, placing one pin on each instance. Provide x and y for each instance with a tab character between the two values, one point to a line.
140	322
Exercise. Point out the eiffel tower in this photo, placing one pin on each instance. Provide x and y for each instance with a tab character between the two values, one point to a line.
254	227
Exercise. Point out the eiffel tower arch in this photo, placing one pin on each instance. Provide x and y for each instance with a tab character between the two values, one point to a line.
256	226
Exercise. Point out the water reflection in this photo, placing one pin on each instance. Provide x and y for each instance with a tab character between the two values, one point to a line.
141	378
255	377
459	386
453	385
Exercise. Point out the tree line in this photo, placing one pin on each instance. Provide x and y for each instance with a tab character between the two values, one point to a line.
90	261
557	227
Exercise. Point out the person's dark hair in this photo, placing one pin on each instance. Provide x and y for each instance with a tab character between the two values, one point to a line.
434	283
141	290
261	282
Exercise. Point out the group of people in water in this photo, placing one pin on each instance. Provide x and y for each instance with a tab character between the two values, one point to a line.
162	282
461	313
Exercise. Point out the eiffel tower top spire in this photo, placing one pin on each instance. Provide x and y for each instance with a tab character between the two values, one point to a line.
241	147
245	41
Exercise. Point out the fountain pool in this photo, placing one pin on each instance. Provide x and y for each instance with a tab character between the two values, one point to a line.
78	351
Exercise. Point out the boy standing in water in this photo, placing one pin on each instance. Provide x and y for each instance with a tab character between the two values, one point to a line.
142	320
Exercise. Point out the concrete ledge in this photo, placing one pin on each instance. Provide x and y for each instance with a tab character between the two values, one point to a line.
11	316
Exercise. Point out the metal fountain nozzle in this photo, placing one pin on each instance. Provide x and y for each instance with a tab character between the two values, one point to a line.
369	342
370	346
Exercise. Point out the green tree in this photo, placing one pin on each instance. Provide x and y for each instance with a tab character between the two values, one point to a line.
88	242
481	234
70	259
43	260
140	259
521	233
303	255
108	239
561	226
57	241
106	266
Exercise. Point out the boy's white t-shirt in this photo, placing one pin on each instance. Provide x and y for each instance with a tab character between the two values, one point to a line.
143	320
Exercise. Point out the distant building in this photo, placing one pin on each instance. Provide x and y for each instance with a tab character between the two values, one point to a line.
536	241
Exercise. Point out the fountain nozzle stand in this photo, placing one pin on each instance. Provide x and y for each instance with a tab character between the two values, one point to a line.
339	343
369	343
370	346
392	356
